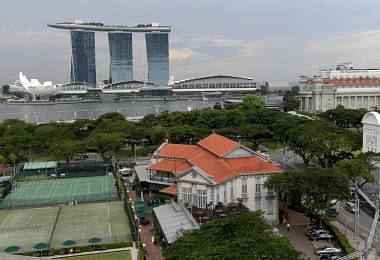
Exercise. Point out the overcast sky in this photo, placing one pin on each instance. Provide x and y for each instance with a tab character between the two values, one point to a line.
267	40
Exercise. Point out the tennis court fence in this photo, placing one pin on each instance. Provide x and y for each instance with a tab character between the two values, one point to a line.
68	170
32	202
60	244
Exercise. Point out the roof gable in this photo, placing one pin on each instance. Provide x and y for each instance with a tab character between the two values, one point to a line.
217	144
240	151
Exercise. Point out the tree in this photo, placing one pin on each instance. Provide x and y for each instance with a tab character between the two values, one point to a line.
252	102
312	188
15	137
255	132
304	140
358	169
345	118
105	143
322	140
218	106
157	134
290	101
66	149
241	235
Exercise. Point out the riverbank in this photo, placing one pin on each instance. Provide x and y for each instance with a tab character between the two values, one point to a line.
49	102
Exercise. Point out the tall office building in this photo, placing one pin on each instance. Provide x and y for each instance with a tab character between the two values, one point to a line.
121	65
157	50
83	68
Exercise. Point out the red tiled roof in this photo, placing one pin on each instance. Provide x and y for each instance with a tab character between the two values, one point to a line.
209	159
172	190
353	81
173	166
252	164
218	144
347	81
175	150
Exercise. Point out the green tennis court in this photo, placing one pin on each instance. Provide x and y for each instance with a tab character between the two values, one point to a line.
48	192
25	228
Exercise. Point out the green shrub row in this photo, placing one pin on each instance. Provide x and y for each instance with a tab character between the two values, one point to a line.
84	248
341	238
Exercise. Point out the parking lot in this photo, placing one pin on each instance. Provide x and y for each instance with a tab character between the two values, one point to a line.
298	226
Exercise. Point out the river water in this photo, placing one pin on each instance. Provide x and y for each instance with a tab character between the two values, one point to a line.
55	112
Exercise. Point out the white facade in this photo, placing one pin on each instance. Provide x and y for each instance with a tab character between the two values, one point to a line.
194	188
371	141
346	86
371	132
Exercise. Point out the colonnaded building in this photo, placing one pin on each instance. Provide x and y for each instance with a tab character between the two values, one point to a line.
345	85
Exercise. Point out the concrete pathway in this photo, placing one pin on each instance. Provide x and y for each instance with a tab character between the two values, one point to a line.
298	225
152	251
91	253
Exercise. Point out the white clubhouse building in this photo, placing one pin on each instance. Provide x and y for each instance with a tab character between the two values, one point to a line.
216	170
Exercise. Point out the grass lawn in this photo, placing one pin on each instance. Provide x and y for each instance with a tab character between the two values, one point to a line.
125	255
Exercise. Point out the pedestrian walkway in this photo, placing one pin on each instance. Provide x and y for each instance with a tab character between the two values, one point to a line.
296	234
152	251
357	244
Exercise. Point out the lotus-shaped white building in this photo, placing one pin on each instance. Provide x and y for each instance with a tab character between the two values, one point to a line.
35	88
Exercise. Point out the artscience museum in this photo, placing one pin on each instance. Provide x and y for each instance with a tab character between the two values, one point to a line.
44	91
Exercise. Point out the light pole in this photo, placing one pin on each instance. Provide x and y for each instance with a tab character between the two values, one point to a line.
345	226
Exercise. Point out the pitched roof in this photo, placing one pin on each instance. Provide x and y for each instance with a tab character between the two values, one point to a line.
210	161
252	164
176	150
218	144
173	166
172	190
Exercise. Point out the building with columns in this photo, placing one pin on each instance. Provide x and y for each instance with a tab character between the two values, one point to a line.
216	170
345	85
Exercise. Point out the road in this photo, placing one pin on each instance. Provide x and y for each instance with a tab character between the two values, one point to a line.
291	159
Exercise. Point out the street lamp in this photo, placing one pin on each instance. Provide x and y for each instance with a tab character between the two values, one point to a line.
345	226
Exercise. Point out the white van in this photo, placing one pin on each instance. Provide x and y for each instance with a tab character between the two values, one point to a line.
350	206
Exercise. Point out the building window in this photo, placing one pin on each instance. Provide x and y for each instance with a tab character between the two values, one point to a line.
225	195
244	189
187	195
232	193
202	198
258	204
270	207
258	188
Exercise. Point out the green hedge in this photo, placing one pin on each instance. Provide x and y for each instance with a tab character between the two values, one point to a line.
85	248
341	238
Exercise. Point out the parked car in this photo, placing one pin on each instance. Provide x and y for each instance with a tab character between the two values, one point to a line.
316	232
328	251
126	171
330	257
323	236
332	212
350	206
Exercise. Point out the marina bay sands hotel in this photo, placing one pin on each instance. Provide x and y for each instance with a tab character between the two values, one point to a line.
83	65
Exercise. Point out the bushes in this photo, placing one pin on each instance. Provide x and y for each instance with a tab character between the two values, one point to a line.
341	238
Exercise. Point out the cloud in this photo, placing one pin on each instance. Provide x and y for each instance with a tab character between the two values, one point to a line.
181	54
